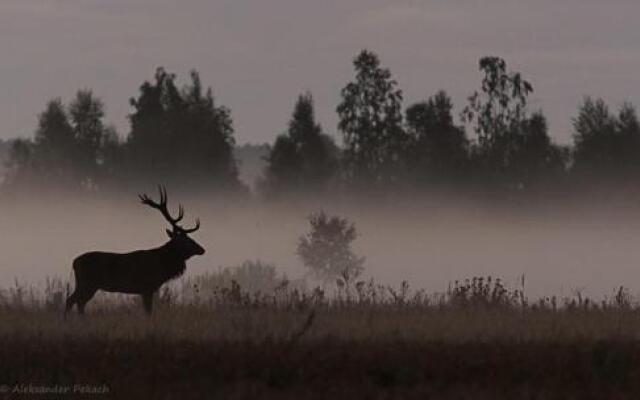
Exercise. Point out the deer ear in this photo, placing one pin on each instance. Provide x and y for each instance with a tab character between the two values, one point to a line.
169	233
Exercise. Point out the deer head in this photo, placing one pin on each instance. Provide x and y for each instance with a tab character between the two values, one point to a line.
179	236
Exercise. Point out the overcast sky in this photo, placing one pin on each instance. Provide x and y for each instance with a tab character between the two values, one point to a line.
259	55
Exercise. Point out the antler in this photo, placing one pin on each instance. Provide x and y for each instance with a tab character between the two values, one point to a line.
162	207
191	230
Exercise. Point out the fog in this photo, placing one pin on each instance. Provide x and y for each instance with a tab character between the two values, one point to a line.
559	250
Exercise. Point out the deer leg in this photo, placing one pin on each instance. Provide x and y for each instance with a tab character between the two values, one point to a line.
147	302
71	300
83	298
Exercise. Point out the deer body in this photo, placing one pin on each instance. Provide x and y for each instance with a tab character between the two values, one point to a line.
140	272
135	273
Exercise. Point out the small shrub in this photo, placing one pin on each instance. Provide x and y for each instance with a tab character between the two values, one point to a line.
326	250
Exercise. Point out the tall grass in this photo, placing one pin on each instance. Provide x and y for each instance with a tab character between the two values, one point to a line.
217	307
210	337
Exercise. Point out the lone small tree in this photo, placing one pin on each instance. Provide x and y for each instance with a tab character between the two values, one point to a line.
326	249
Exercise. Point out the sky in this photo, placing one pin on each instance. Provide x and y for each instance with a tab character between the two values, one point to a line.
258	55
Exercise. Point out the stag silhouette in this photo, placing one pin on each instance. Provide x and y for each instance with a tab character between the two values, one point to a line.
140	272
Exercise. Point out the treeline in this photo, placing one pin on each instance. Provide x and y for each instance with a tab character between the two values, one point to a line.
181	137
178	135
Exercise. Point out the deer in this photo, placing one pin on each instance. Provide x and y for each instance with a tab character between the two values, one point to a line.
140	272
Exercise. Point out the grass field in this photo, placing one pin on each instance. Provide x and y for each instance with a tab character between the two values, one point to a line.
478	340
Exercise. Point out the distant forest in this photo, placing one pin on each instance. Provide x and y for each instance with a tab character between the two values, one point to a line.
182	137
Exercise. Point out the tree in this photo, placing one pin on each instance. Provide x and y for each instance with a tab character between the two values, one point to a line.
370	119
111	157
304	159
501	104
19	163
326	249
55	147
533	156
94	141
70	147
181	137
438	147
86	113
606	144
509	141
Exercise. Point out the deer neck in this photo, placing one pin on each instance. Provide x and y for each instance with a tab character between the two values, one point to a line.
175	262
173	253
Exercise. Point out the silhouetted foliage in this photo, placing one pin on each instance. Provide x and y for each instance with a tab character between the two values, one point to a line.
253	276
606	145
370	116
19	162
5	146
512	148
180	136
326	249
438	150
55	147
304	159
68	150
5	157
86	113
111	158
534	157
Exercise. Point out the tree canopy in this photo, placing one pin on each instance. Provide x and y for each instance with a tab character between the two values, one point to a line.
304	159
370	119
179	135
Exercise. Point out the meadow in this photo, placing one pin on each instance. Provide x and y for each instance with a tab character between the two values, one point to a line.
210	338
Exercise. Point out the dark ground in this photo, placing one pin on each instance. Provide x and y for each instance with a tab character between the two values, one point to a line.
330	368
